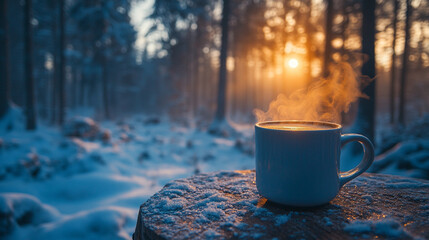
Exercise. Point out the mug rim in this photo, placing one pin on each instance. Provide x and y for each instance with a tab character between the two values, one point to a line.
334	126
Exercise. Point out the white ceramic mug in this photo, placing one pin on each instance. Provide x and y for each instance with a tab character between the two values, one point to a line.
297	162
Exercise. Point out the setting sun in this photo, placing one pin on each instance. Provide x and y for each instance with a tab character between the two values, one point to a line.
293	63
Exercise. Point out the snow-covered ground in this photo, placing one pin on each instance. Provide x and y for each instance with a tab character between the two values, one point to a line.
87	181
91	187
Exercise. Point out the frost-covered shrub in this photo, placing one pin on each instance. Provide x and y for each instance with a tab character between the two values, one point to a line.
81	127
86	128
8	144
418	129
152	121
245	145
75	156
14	119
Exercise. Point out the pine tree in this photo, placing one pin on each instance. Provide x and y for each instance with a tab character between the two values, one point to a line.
366	112
402	88
328	37
392	65
61	65
4	60
30	99
221	92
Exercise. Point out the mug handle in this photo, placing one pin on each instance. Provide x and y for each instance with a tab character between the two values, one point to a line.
368	157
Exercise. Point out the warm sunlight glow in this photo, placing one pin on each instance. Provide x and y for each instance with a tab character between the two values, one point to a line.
230	65
292	63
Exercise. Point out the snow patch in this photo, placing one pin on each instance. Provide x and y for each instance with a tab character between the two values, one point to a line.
327	221
106	222
212	213
19	210
385	227
281	219
171	205
83	176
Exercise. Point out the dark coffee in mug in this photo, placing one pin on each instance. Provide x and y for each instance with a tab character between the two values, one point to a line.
298	126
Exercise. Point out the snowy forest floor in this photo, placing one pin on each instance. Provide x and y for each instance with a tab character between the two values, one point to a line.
87	181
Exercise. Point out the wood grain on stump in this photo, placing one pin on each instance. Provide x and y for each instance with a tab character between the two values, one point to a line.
227	205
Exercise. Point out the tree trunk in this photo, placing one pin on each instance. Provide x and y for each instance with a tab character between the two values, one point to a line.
421	48
75	87
344	57
328	37
245	84
199	42
30	100
404	65
82	89
61	65
235	89
392	66
344	26
309	42
221	96
4	60
54	85
191	76
105	89
366	112
284	37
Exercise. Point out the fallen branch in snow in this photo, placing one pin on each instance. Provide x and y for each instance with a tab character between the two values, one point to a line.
408	152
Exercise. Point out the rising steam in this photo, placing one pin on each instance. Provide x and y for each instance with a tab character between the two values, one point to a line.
323	100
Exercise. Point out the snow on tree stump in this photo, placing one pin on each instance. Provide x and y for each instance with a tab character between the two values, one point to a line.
227	205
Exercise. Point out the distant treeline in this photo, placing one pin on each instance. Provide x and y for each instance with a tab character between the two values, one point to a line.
177	72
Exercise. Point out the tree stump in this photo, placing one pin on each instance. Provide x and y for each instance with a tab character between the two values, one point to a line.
227	205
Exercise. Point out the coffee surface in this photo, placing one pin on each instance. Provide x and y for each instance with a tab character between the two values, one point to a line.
296	126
